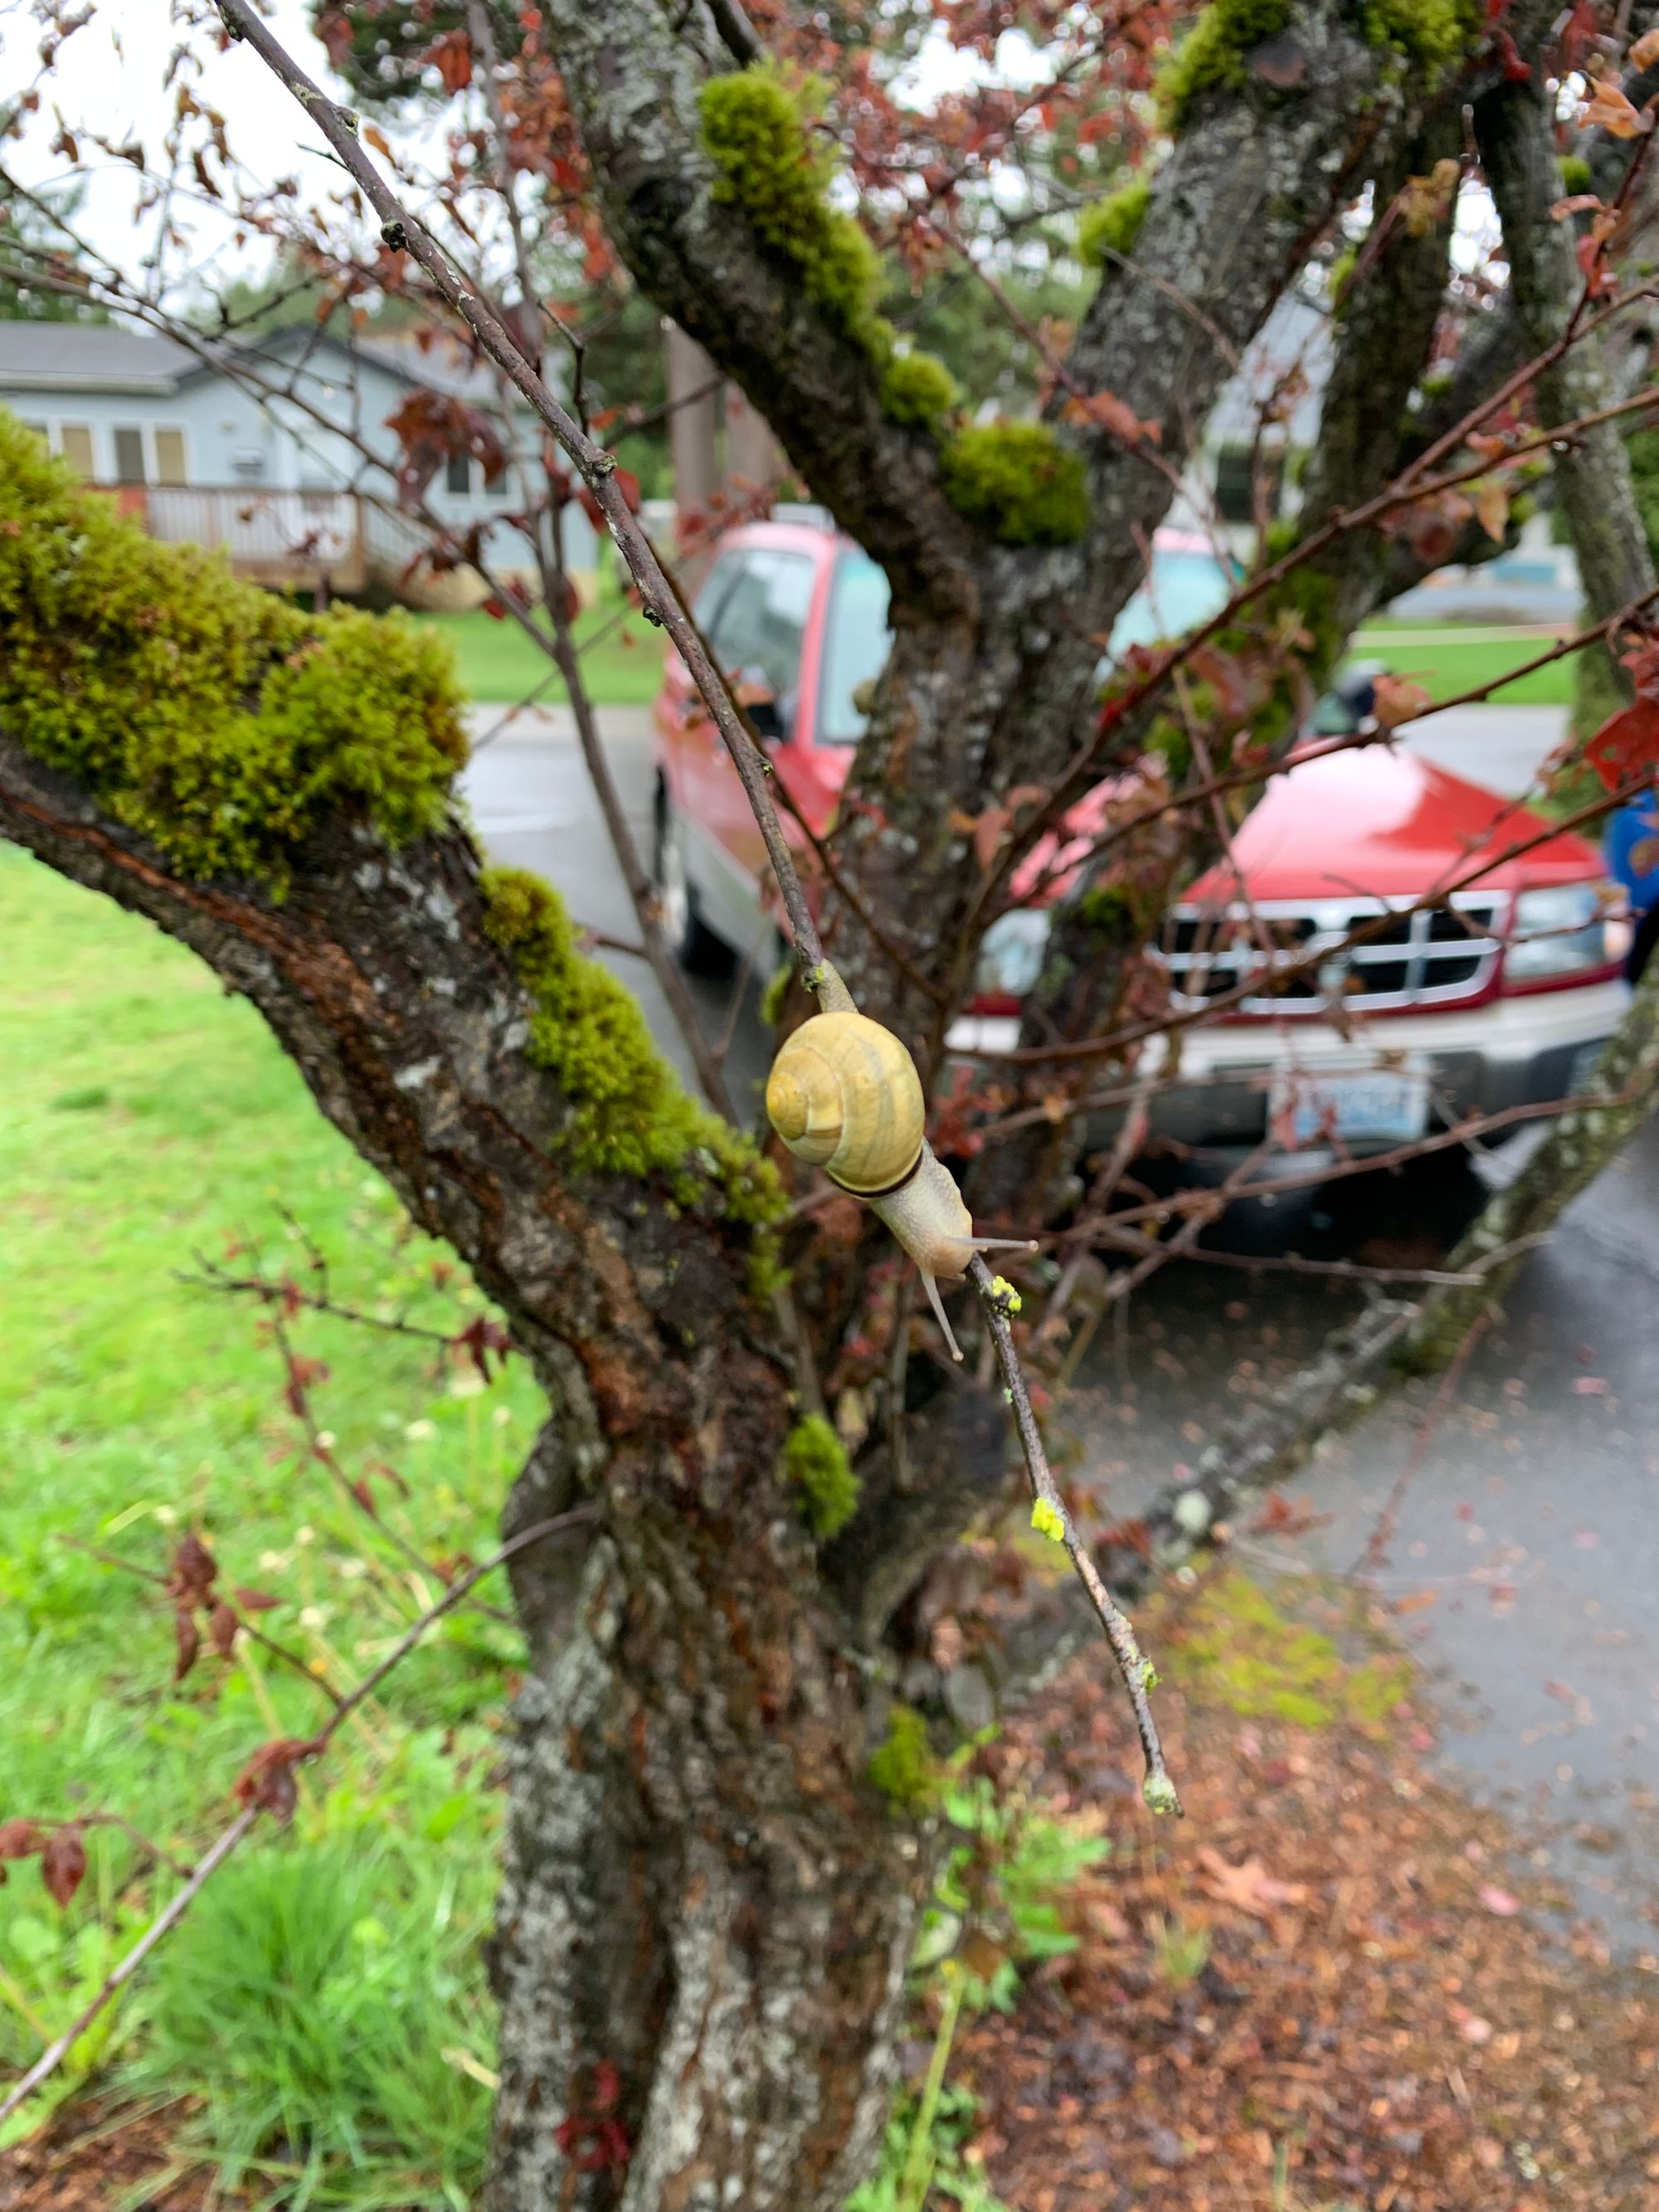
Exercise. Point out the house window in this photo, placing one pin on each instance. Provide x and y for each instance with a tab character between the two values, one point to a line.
74	443
457	476
248	461
170	467
1238	469
129	455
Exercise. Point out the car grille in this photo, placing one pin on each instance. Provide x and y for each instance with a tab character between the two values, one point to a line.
1426	958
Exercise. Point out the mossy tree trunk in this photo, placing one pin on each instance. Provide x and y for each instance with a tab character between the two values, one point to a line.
708	1907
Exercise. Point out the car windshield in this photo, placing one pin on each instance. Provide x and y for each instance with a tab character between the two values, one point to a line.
855	641
1184	588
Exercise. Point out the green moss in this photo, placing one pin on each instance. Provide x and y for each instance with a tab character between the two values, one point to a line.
1341	269
917	388
755	128
1210	57
1112	225
1576	174
1018	481
903	1767
1431	36
815	1459
210	716
629	1115
772	997
1236	1645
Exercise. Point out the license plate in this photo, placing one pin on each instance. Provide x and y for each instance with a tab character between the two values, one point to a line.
1349	1106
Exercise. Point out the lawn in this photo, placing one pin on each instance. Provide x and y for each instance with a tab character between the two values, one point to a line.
1449	661
622	656
327	1993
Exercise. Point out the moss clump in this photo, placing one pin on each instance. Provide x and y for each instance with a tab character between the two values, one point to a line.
1236	1644
758	130
1018	481
1210	57
755	129
902	1767
1113	225
629	1116
1432	35
917	388
815	1459
210	716
1576	175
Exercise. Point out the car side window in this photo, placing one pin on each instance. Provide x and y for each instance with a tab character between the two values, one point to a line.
761	620
716	589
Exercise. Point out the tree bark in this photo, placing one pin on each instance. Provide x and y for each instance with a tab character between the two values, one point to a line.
704	1893
992	676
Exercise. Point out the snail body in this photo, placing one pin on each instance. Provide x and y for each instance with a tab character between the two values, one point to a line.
844	1095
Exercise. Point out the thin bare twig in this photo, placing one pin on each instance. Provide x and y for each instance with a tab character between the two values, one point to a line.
1157	1787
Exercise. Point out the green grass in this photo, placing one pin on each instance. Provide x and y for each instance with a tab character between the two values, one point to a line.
1450	664
145	1116
621	663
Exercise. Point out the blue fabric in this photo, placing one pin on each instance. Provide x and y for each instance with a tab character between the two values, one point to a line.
1632	850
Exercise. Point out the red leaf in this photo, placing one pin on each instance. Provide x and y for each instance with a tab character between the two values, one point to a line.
189	1643
495	609
365	1497
452	57
193	1573
20	1839
479	1338
628	485
1112	414
63	1864
222	1625
267	1781
1627	743
432	427
334	31
252	1600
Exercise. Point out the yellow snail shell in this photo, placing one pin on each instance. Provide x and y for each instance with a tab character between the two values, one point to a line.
844	1095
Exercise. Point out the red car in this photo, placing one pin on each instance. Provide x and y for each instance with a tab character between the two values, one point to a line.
1500	994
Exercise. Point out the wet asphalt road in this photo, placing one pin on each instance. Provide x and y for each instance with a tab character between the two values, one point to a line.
1527	1546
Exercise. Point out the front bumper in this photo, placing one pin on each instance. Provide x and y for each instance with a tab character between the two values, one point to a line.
1521	1051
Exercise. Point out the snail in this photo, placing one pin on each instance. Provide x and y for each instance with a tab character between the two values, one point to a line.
844	1095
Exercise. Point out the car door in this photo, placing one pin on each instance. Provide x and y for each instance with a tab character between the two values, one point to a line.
756	632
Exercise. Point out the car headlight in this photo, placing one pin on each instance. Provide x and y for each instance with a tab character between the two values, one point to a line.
1562	931
1011	954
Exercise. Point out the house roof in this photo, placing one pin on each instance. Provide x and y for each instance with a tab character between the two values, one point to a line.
89	357
113	357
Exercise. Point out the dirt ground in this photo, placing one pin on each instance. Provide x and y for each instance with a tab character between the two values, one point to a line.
1328	1987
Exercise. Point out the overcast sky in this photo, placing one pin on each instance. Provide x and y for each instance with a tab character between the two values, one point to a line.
109	76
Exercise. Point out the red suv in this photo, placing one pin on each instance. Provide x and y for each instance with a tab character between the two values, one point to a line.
1498	994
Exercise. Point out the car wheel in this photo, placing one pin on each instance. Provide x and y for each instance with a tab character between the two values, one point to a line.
691	941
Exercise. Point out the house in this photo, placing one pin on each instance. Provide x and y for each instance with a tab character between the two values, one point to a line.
1266	420
254	453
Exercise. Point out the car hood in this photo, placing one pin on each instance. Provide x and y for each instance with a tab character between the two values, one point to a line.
1380	822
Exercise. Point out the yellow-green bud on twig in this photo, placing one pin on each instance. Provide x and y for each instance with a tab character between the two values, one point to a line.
1049	1521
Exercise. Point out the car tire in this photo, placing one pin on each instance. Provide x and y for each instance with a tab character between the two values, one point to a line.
691	940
